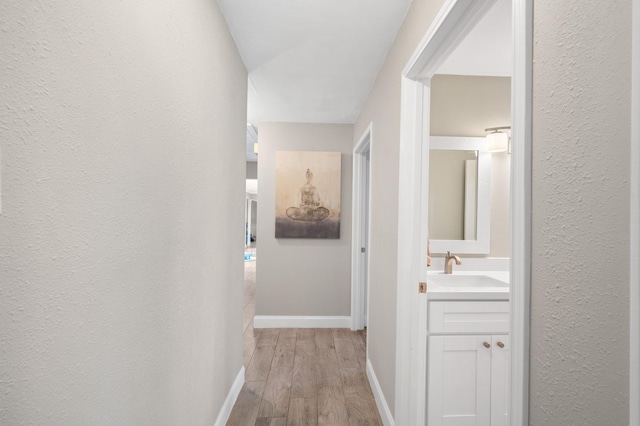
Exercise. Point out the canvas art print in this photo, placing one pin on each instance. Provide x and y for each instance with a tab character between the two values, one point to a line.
307	194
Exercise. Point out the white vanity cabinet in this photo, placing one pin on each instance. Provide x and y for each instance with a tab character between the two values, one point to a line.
468	372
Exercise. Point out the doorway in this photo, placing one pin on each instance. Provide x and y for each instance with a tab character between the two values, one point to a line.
360	231
453	23
250	216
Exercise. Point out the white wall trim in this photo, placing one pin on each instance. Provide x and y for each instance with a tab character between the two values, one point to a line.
291	321
230	400
634	255
381	402
452	24
358	232
411	350
520	277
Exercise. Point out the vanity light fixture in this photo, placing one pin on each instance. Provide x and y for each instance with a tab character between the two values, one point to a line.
497	140
255	148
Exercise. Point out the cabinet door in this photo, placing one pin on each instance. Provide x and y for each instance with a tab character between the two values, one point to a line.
500	380
459	382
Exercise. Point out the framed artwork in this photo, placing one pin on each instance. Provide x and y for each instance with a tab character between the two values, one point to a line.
308	194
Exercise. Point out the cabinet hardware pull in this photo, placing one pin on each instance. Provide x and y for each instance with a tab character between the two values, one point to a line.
500	345
486	345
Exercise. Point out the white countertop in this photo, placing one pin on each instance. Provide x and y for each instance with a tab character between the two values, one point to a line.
458	291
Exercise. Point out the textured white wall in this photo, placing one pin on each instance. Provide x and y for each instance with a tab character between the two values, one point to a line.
121	229
580	264
465	106
382	108
296	276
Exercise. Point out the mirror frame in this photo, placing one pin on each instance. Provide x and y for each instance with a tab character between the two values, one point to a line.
481	245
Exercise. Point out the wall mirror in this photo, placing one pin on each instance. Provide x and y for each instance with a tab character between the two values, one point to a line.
459	195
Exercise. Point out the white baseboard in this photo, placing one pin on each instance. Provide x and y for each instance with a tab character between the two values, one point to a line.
230	401
276	321
381	402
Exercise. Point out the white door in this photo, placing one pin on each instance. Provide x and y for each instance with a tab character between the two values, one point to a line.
459	381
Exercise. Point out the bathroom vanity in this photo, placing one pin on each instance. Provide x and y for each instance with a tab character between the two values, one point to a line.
468	349
468	345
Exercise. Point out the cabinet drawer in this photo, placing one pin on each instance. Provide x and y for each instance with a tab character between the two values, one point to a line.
468	317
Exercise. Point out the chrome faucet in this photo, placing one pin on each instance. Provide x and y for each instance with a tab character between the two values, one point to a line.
448	262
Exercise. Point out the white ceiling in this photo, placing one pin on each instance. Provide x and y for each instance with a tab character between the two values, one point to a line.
309	60
487	49
315	61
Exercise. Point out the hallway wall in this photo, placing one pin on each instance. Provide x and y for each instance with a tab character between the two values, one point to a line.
122	132
382	108
297	276
580	248
580	277
252	170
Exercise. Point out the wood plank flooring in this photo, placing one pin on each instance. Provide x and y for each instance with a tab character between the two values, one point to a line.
302	376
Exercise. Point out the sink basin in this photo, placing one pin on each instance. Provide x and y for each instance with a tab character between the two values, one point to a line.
473	281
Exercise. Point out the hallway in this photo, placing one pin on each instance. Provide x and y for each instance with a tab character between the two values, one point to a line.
302	376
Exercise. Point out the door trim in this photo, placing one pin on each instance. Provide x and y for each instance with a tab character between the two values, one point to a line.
634	249
520	276
360	228
411	339
452	24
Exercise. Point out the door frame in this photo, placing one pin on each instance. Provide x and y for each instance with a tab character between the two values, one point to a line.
248	216
454	21
634	249
360	229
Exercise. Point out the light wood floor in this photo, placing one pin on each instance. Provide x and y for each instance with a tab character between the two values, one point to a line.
302	376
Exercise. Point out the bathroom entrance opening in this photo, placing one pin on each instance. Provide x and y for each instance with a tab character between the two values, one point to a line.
454	22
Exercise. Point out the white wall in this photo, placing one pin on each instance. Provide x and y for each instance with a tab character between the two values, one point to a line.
465	106
310	277
581	170
122	132
252	170
382	108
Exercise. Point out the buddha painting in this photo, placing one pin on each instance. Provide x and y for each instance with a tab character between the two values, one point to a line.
310	207
307	194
